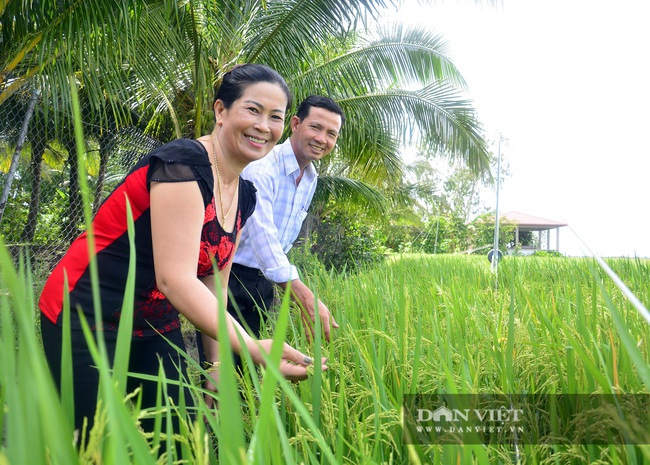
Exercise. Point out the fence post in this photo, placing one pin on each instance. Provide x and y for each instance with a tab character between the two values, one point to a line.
19	147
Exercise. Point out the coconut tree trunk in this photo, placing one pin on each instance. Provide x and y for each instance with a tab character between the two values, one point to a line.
19	147
75	210
38	149
104	142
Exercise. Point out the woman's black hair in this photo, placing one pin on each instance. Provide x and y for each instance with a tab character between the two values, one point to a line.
235	82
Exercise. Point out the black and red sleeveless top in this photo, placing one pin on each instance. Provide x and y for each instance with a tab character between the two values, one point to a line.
183	160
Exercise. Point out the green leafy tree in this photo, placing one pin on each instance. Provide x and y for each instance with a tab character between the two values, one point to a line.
128	71
346	241
483	232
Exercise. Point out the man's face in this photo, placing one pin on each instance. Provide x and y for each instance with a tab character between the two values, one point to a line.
315	135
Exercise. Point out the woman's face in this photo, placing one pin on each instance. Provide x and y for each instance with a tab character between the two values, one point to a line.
253	124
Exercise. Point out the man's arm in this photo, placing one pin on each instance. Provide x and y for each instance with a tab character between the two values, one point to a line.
263	240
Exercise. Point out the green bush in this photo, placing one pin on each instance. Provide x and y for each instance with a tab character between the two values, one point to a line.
547	253
306	261
442	235
483	231
401	238
346	241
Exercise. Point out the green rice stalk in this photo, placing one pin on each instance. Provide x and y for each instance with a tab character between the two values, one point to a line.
125	330
30	398
632	351
230	429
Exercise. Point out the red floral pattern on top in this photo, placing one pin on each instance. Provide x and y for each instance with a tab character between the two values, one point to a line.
152	308
216	244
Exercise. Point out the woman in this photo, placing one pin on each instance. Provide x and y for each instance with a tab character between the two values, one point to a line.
189	206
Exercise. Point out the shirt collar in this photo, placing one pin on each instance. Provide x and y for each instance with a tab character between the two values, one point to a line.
289	163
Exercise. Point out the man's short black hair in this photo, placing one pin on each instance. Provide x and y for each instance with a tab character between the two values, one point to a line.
320	102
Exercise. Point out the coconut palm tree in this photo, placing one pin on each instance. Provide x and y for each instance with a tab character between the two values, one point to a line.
51	45
162	59
368	73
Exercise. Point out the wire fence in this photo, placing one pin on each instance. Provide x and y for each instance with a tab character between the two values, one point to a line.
41	207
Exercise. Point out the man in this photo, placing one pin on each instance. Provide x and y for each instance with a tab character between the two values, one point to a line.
285	180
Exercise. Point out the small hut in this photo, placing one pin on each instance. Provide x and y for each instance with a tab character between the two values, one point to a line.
528	223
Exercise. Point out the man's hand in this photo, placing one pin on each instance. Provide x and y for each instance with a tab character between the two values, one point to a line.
307	314
305	299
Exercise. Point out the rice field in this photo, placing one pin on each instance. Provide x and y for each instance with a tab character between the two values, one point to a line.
425	325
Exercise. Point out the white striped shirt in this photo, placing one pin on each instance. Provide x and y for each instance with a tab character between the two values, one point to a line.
280	210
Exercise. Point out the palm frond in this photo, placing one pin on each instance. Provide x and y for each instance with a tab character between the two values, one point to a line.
395	56
370	82
435	116
349	191
56	28
404	55
296	28
367	154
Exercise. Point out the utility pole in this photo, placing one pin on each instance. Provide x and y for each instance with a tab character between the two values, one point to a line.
495	250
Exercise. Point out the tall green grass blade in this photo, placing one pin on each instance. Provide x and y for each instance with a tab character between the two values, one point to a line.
122	429
167	412
32	402
125	330
417	354
342	418
283	449
265	424
510	349
67	388
230	432
317	376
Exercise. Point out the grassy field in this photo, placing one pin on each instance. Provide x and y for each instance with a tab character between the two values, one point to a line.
416	325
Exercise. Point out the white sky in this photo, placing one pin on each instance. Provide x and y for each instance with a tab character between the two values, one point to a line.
567	83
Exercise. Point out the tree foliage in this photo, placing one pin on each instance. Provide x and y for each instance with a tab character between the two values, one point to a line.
395	83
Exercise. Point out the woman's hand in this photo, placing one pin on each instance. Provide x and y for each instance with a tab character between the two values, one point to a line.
210	386
210	383
294	363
